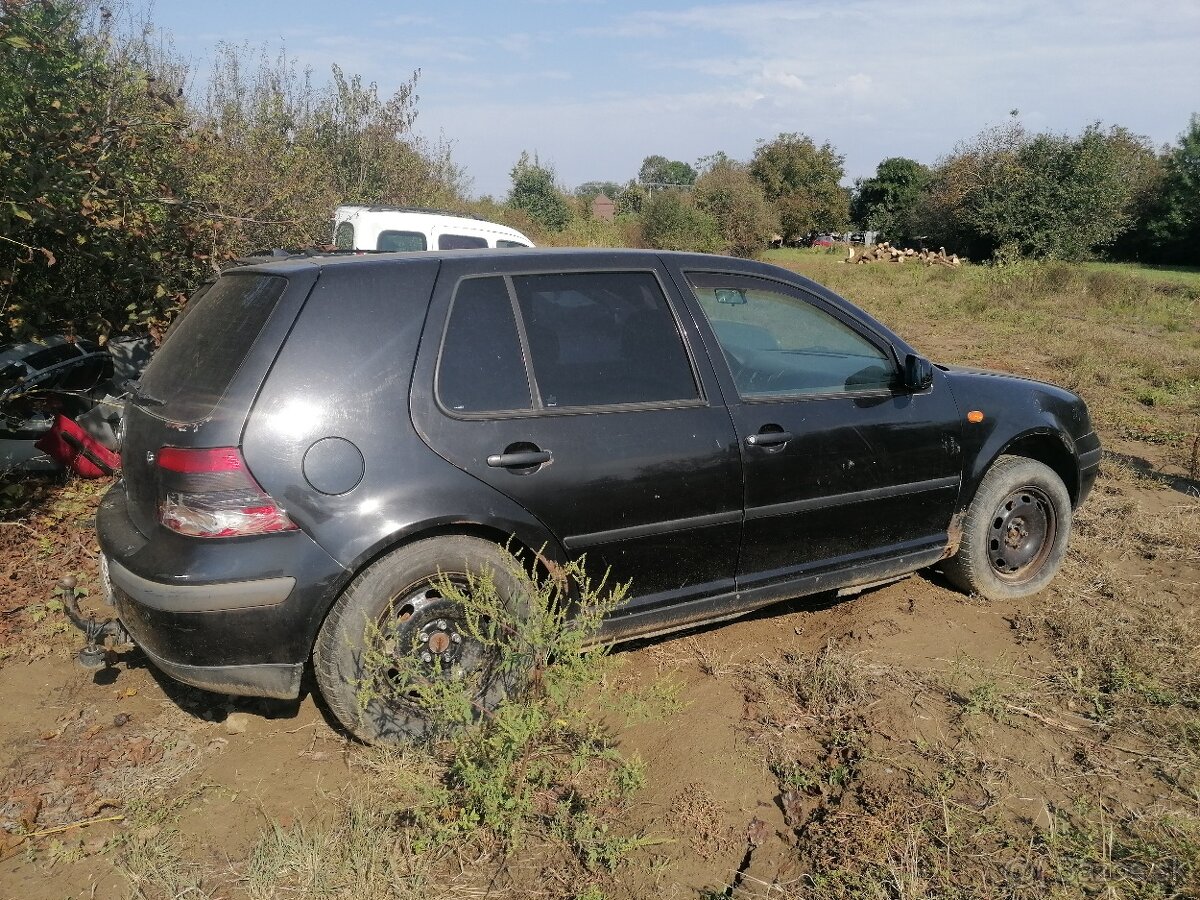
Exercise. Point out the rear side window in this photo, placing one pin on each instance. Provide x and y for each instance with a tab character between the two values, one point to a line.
203	351
395	241
343	238
603	338
460	242
481	367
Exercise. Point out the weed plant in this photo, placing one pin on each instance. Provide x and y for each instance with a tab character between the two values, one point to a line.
539	761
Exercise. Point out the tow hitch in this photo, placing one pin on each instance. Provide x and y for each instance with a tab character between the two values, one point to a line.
94	654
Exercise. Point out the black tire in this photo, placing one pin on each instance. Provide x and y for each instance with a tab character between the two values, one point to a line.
1015	531
398	589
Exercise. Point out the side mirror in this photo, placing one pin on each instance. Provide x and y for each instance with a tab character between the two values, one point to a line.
918	372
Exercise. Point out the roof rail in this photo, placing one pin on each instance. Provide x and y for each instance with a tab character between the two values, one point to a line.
428	210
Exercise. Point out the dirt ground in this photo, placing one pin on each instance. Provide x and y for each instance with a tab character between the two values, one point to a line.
126	747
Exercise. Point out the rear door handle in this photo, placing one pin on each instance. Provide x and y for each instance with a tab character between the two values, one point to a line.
522	459
769	438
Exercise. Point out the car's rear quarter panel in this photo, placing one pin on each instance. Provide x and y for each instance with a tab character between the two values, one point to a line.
345	372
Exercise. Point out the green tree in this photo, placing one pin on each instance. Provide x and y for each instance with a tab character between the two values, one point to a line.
1009	193
730	194
1172	229
888	201
93	235
672	221
534	192
274	154
803	181
590	190
658	170
631	199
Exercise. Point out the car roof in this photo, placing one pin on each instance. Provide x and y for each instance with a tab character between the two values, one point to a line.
536	256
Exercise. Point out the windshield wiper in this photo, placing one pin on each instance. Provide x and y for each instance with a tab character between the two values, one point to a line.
139	398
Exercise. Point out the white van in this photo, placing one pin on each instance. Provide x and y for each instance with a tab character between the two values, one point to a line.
408	228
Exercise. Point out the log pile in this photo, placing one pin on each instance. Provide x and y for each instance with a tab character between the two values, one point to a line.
885	252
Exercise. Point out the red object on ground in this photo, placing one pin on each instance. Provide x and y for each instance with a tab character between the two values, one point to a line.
76	450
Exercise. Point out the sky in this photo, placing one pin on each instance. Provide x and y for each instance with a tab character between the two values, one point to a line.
594	87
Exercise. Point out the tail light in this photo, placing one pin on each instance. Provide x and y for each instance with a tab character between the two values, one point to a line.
210	493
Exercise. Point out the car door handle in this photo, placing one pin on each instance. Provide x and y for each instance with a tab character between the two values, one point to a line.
769	438
522	459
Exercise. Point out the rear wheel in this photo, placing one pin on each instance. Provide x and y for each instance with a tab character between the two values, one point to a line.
393	620
1015	531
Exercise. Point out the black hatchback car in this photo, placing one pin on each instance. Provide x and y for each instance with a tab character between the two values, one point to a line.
318	438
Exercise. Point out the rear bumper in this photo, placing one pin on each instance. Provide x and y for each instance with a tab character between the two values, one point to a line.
244	618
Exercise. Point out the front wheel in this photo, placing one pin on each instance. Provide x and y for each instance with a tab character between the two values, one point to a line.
1015	531
395	621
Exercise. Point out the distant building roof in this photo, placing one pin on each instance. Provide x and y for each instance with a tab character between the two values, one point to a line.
603	208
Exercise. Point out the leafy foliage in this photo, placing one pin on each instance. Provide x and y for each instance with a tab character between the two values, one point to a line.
590	190
888	201
803	181
539	761
93	230
657	171
1173	224
731	195
534	192
672	221
118	192
1009	193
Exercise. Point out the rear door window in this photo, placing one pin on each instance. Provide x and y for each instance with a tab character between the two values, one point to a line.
397	241
603	338
204	349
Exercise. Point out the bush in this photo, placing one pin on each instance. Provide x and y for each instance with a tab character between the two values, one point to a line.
540	761
671	221
731	195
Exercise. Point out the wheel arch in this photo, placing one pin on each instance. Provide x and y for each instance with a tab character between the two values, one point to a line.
1046	445
527	543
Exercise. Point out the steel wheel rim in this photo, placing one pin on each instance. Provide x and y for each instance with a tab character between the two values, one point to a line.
1021	534
421	625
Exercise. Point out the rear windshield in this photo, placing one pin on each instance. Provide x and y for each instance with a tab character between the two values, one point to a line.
204	348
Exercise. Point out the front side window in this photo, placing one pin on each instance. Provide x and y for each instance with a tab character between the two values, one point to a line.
509	244
779	344
460	242
399	241
603	338
343	238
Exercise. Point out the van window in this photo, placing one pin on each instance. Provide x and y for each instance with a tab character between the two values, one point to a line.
343	238
460	242
603	338
394	241
481	367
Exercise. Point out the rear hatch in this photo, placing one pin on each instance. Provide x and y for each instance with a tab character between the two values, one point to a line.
200	385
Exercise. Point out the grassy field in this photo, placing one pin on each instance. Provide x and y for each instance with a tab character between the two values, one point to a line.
908	743
1186	275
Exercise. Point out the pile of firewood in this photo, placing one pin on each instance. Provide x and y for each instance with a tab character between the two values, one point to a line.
885	252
